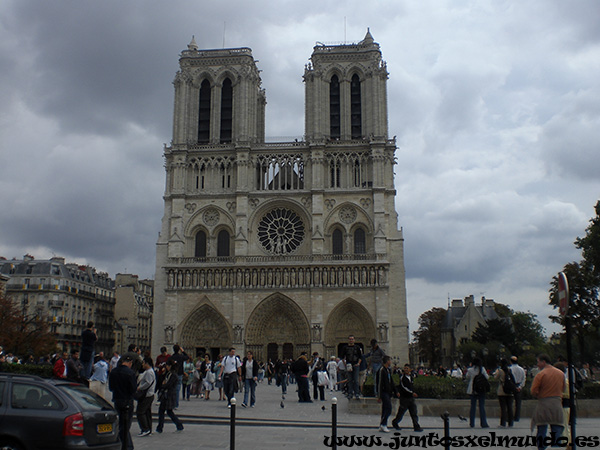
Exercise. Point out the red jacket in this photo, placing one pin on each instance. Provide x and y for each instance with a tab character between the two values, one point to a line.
60	369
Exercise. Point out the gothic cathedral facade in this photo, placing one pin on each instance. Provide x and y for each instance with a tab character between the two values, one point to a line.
276	247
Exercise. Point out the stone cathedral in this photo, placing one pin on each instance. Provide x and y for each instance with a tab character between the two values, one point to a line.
280	247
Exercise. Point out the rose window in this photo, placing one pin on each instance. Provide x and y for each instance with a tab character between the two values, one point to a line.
280	231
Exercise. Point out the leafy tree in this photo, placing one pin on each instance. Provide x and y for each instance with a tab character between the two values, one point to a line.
429	335
584	287
23	335
495	330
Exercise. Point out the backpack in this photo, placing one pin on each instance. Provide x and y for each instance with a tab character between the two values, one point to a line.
509	386
481	385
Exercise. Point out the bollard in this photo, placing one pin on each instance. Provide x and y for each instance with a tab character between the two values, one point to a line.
232	425
446	419
334	423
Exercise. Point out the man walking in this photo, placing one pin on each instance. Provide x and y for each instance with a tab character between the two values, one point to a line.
231	370
386	390
518	374
122	383
407	401
548	387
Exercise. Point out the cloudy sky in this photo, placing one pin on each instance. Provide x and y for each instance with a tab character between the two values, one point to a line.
495	105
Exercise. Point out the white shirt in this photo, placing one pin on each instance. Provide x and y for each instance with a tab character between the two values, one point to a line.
231	364
518	374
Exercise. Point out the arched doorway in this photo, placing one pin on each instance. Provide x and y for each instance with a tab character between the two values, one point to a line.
348	317
276	325
205	331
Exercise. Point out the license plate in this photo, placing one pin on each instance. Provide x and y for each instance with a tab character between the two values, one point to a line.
104	428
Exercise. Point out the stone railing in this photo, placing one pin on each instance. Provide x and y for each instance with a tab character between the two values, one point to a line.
280	277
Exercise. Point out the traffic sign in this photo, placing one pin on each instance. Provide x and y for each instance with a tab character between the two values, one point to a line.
563	294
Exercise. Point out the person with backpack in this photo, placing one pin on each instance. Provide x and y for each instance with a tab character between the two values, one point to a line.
506	389
478	386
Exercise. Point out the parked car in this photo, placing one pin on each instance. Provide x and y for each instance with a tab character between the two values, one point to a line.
38	413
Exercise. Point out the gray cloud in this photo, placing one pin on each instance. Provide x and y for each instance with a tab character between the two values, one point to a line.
494	105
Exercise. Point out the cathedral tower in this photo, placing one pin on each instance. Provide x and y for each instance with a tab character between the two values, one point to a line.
280	247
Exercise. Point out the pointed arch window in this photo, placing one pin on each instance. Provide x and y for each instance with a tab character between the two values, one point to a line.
223	243
360	245
200	251
226	111
337	242
355	108
204	113
334	108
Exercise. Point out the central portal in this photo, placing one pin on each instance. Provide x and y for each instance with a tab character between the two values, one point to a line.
277	328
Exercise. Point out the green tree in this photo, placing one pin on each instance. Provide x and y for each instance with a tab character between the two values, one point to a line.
429	335
584	286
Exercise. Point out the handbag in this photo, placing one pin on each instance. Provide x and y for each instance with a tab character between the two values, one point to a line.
141	394
210	377
323	379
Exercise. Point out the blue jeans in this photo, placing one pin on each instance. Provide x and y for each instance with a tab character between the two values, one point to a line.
542	430
179	381
284	383
249	386
87	368
482	419
374	369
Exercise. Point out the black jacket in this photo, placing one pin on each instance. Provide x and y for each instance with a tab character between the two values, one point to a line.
406	387
123	384
300	367
385	382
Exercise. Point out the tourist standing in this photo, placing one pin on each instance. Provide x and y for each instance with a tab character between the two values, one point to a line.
88	341
504	398
477	394
332	369
548	387
300	370
353	354
146	386
518	374
317	366
99	378
122	383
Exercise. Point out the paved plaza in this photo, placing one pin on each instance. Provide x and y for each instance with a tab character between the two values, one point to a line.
303	425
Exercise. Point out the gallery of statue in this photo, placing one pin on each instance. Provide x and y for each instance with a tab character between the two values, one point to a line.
279	247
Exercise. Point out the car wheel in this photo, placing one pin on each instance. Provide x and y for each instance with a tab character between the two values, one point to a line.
10	445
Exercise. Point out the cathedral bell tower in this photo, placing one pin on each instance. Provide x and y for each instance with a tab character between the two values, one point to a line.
280	247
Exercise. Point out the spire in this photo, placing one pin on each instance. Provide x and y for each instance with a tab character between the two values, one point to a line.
368	38
192	45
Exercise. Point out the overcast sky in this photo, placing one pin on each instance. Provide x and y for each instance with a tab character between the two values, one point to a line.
495	105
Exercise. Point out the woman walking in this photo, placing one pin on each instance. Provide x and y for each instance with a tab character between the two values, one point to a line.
168	396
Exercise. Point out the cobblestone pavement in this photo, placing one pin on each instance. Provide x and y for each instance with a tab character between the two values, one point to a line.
305	425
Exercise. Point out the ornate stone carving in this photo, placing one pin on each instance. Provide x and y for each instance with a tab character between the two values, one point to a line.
230	206
191	207
365	202
348	214
253	202
329	203
383	332
168	335
211	217
238	332
317	332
